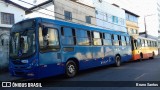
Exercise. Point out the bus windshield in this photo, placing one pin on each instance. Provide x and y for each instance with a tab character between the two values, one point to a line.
22	43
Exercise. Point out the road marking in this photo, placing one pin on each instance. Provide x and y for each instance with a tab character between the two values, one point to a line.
140	76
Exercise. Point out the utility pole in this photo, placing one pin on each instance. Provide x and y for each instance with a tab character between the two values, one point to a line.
145	26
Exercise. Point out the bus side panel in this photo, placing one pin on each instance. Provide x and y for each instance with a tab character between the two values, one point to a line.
126	53
109	54
117	50
50	65
82	53
98	58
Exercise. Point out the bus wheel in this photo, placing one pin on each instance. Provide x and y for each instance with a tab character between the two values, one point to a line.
118	61
153	55
71	69
141	56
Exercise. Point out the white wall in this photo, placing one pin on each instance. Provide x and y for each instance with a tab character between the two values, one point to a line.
105	8
19	14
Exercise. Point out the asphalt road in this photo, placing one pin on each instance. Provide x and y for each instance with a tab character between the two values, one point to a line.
130	72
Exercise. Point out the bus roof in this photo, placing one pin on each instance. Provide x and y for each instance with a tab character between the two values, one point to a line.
140	37
75	25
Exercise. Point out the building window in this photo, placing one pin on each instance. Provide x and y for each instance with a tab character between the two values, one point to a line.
106	17
132	31
88	19
68	15
131	18
114	19
96	12
127	16
100	1
7	18
137	32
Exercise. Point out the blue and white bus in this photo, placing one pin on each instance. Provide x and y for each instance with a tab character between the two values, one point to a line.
42	47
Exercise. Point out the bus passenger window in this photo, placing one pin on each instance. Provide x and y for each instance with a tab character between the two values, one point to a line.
128	41
146	43
68	35
119	39
83	37
97	38
115	40
139	42
107	39
123	40
48	39
155	44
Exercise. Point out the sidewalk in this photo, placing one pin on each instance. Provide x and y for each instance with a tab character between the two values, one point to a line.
158	56
5	76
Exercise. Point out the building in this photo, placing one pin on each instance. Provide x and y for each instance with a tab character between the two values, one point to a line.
132	23
67	10
107	16
10	13
149	12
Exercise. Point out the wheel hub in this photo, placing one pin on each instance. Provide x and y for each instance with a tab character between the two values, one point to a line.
71	68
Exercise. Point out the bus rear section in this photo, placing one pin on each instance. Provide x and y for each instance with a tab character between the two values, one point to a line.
144	48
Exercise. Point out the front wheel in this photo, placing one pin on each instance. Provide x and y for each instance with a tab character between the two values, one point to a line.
118	61
71	69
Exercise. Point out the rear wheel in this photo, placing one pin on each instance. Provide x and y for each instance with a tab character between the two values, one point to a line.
141	56
118	61
71	69
153	55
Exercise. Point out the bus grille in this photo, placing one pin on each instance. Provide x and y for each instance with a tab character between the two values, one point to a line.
18	62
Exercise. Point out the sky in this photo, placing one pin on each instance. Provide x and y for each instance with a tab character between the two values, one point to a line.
145	9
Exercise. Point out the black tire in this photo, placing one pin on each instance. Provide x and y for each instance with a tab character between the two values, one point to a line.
71	69
153	55
141	57
118	61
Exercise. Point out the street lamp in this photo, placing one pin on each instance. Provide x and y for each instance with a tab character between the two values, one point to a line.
145	27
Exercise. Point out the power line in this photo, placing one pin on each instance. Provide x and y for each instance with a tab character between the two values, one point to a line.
80	11
93	16
64	15
57	13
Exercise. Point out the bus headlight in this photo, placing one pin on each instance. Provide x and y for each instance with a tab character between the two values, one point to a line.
24	61
30	74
